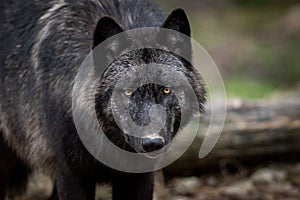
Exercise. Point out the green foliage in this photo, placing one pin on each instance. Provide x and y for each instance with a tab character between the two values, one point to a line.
256	49
258	3
245	87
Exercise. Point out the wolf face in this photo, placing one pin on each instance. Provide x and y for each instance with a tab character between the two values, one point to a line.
138	98
127	85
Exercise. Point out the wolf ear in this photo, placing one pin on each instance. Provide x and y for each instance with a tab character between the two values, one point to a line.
106	27
178	21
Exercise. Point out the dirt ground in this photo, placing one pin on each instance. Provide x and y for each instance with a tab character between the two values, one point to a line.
268	182
275	181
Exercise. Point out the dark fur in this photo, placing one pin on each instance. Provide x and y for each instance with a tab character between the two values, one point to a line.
42	46
13	172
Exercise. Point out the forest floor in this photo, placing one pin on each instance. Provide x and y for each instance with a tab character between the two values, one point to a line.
274	181
266	182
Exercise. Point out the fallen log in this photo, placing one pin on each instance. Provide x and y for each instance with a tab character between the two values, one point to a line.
255	131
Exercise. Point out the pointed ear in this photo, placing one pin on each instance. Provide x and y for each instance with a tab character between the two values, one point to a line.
178	21
106	27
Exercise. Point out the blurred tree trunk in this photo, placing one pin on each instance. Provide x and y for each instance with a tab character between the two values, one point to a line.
255	131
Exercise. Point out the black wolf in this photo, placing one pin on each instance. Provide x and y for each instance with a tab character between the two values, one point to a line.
43	44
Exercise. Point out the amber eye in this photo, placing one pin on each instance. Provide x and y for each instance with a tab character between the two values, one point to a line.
128	93
167	90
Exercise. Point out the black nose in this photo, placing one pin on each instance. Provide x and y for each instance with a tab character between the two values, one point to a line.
153	144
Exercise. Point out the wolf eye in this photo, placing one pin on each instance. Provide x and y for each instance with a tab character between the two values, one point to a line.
128	93
167	90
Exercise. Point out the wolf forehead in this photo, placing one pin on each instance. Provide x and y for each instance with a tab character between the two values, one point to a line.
145	66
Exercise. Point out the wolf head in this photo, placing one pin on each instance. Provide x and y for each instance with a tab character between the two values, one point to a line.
141	96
